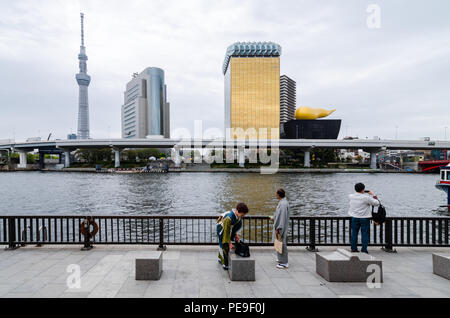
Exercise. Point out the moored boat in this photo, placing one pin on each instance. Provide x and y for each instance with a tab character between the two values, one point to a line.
444	182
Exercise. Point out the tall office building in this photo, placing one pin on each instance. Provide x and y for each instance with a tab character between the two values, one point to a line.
83	80
145	111
287	99
252	88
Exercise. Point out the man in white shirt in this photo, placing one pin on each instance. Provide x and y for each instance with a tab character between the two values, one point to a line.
360	210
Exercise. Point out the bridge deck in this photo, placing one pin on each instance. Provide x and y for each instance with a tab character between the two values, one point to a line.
199	143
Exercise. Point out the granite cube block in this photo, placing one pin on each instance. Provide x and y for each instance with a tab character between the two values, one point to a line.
149	268
241	268
441	265
344	266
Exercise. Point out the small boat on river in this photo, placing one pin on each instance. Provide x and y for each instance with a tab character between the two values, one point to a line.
444	182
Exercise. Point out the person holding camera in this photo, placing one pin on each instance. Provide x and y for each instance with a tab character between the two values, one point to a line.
360	210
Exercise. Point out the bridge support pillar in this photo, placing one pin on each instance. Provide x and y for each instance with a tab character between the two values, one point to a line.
373	160
66	159
307	159
41	160
241	156
116	157
22	159
176	157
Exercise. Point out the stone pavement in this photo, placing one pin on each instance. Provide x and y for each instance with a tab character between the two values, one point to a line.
193	271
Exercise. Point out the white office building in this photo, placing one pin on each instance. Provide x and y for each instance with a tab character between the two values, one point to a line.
145	111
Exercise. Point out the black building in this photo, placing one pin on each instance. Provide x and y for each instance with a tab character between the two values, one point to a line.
310	129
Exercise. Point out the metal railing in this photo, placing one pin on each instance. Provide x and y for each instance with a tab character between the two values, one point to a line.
311	232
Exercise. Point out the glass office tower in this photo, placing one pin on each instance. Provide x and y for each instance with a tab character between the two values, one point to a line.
252	90
145	112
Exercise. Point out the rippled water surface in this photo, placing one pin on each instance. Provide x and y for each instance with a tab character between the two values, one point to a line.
211	193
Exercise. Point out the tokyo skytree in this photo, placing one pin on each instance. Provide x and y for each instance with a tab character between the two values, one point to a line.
83	80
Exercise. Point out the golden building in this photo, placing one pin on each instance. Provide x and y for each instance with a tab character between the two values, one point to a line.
252	90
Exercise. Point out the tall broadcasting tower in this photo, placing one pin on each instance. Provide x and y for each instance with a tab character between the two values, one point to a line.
83	81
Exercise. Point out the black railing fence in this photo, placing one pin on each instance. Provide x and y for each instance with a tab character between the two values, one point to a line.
311	232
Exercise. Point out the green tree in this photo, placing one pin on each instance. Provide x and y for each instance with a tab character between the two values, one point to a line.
94	156
146	153
321	157
130	154
31	158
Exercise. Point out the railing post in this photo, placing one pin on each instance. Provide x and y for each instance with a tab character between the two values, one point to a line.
23	236
161	246
11	234
312	236
42	229
388	241
87	235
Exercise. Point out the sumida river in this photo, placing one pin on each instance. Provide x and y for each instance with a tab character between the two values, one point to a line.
211	193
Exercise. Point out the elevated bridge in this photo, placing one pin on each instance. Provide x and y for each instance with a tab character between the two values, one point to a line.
371	146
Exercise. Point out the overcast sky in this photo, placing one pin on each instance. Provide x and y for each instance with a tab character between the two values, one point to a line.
395	78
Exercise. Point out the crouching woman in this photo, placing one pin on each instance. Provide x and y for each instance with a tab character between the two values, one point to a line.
228	224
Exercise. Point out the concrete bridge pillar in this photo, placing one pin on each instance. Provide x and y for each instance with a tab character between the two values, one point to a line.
241	156
116	157
307	159
23	159
41	160
66	159
175	154
373	160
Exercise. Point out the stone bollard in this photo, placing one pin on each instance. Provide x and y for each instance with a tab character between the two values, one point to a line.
241	268
149	268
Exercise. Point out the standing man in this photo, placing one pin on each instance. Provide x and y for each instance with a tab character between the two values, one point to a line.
280	227
360	210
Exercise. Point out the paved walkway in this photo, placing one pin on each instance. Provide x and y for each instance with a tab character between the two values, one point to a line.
188	271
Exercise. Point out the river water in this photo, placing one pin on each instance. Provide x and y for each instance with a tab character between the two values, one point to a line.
211	193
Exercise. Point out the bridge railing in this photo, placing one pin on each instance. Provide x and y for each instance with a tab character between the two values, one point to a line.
311	232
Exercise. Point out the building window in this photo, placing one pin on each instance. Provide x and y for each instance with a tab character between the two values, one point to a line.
127	107
129	110
130	114
130	125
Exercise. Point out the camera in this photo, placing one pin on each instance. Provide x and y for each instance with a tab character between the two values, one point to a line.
366	191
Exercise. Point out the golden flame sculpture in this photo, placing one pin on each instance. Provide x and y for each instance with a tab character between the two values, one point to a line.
305	112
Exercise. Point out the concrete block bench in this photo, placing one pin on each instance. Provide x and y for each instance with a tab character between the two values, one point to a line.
344	266
149	268
441	265
241	268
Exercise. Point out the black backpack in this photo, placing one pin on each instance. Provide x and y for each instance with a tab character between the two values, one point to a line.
241	249
379	217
